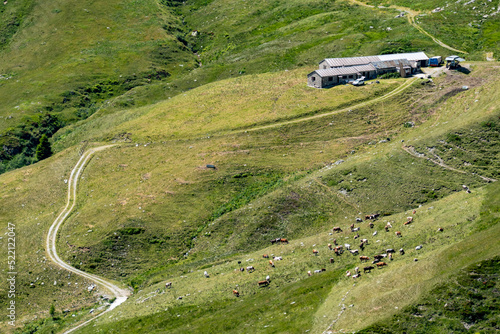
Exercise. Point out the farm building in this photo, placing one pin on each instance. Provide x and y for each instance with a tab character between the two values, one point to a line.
333	76
334	71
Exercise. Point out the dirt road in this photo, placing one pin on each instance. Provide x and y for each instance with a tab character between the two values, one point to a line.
120	294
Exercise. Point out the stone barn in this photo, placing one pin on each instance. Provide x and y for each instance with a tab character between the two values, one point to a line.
324	78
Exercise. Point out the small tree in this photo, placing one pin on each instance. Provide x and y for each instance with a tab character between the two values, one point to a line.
43	150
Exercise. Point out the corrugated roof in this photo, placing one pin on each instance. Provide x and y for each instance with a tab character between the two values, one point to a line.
351	70
351	61
356	61
368	67
391	63
407	56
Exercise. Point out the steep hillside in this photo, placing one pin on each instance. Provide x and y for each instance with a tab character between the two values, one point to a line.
70	61
149	210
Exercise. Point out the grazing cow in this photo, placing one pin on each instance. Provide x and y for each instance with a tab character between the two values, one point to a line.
206	274
355	229
364	258
356	270
250	269
374	233
284	241
278	258
365	241
271	263
347	246
348	273
409	219
236	293
354	252
356	236
317	271
362	246
398	234
332	260
402	251
414	211
330	246
263	283
273	241
440	229
418	247
386	228
381	264
356	276
390	250
390	256
168	285
352	226
359	220
335	242
337	229
368	269
265	256
309	273
338	250
378	257
315	252
371	225
242	269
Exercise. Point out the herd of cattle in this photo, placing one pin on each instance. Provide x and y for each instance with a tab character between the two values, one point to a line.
338	251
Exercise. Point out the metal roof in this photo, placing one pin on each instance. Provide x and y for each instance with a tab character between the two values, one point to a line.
391	63
457	58
351	61
407	56
356	61
351	70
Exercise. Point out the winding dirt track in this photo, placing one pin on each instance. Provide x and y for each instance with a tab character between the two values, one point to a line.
120	294
411	20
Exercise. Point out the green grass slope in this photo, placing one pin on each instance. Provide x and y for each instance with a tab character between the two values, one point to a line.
162	214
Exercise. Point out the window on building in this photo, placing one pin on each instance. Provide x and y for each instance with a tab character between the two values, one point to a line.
313	78
351	76
330	78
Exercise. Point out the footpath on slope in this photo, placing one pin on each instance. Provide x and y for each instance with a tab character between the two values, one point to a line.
411	20
120	294
396	91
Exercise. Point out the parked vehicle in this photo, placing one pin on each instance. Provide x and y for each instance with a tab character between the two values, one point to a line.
435	61
358	82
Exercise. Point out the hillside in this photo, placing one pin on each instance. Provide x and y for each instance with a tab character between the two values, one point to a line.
290	162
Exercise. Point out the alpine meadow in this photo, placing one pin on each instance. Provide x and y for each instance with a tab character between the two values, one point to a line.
231	166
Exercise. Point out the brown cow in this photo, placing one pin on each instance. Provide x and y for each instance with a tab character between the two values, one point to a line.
398	234
265	256
263	283
369	268
335	242
332	260
330	246
271	263
440	229
364	258
315	252
337	229
236	293
352	226
380	264
284	241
